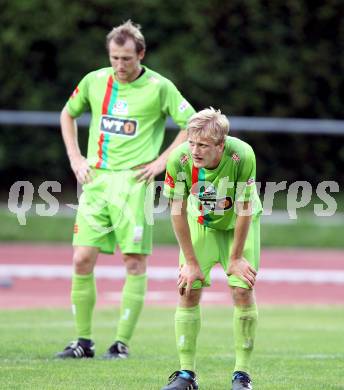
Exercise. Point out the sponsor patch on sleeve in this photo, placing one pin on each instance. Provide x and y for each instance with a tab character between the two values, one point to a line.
169	180
75	92
183	105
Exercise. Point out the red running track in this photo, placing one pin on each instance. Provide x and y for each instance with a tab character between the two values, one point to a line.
39	293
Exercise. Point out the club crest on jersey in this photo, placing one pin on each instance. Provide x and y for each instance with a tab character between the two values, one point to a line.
184	159
118	126
120	108
235	157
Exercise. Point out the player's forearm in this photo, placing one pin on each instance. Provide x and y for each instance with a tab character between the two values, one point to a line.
182	231
70	135
241	229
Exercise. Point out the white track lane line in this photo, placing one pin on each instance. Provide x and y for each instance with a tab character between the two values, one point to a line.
170	273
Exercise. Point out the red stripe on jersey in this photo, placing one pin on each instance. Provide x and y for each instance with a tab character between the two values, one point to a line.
195	172
105	107
200	219
107	96
100	150
194	175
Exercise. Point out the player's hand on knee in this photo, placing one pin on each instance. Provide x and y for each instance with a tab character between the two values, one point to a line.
188	274
241	268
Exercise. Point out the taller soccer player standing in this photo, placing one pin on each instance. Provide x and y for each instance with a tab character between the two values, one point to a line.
129	105
215	175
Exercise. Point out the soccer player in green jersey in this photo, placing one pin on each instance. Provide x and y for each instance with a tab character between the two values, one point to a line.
215	211
129	104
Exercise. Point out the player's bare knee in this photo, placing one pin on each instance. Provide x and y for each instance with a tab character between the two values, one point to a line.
83	263
242	296
191	300
135	264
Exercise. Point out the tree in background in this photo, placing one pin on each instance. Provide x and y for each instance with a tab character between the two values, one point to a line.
246	57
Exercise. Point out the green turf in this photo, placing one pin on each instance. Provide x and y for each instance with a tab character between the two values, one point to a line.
303	232
296	349
60	229
282	198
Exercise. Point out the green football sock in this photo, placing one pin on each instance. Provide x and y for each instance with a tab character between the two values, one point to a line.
244	325
133	295
187	327
83	298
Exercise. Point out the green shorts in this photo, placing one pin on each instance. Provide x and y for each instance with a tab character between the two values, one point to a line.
113	211
214	246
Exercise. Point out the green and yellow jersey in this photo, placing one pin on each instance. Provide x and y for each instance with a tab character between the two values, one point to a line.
211	193
128	119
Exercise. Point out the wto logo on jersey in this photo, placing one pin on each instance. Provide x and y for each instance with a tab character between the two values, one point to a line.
118	126
215	204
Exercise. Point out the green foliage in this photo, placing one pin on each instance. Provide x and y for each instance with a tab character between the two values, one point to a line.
245	57
249	57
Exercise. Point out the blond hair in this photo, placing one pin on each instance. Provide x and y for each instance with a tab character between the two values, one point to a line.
209	123
125	31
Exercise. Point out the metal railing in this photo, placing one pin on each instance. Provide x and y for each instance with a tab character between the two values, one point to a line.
238	123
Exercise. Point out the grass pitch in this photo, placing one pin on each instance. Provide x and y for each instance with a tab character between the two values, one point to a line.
305	232
296	348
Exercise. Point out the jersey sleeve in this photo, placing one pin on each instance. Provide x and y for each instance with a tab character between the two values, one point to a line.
175	185
246	181
175	105
78	102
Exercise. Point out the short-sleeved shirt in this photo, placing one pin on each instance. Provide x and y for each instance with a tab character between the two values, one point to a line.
211	193
128	119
